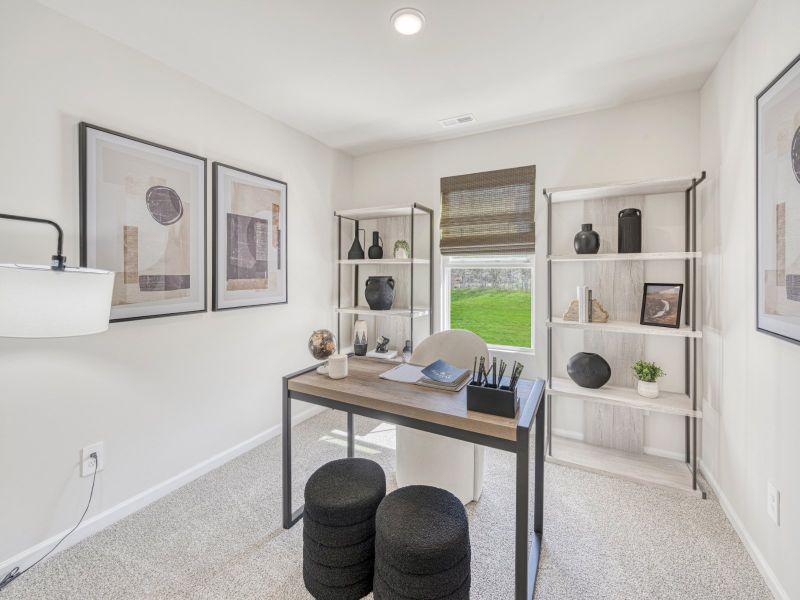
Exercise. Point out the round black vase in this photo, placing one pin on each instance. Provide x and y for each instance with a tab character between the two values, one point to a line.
589	370
380	292
586	240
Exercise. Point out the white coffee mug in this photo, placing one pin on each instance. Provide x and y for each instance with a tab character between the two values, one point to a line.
337	366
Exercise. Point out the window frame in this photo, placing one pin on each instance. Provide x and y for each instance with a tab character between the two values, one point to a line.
487	261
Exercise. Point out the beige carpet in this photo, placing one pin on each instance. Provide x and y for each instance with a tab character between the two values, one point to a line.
220	536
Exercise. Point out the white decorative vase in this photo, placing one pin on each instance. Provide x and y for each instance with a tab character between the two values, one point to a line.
400	253
648	389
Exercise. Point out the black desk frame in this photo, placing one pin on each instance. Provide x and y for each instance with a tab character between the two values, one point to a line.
526	553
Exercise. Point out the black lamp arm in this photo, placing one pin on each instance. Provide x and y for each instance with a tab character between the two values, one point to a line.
59	261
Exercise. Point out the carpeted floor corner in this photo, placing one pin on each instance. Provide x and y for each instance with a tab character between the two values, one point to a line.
220	536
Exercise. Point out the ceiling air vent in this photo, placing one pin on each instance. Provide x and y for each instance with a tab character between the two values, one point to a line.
456	121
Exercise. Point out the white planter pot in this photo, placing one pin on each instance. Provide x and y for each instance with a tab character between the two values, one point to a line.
648	389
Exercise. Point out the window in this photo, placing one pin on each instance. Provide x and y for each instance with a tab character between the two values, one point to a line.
487	245
492	296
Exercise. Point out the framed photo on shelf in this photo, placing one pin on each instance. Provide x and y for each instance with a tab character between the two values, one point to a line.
249	239
778	206
661	304
143	216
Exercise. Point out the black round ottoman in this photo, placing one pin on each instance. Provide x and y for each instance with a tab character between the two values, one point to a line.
422	549
341	498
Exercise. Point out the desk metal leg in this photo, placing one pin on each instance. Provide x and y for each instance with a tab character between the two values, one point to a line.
351	440
289	517
527	552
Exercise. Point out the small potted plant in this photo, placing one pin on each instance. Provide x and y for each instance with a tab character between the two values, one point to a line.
647	373
401	249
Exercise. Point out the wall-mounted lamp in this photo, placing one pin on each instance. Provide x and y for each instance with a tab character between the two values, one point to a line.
38	301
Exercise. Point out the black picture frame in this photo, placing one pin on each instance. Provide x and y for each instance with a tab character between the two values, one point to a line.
758	206
217	230
644	321
83	182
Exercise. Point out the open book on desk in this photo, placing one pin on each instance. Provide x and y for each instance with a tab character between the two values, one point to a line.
439	375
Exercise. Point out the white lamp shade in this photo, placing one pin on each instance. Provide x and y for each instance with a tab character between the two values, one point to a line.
39	302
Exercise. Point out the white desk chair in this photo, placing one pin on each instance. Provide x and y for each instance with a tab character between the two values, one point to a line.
428	459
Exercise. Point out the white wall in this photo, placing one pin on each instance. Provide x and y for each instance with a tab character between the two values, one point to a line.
657	138
751	406
163	394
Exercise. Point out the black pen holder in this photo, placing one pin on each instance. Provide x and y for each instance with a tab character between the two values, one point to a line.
491	399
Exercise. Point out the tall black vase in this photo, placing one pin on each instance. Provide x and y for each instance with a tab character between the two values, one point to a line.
376	250
356	251
629	227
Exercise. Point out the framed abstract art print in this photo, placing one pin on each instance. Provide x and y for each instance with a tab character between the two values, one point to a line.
143	216
249	239
778	205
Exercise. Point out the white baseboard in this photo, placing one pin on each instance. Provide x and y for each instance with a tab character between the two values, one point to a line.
766	571
102	520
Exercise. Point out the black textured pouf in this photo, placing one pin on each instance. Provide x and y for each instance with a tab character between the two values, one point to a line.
324	592
421	530
337	577
338	536
382	591
345	492
337	556
424	587
341	498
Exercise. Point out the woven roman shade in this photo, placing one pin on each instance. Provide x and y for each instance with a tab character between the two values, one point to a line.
488	213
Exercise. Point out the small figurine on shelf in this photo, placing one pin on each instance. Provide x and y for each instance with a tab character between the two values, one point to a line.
383	344
407	351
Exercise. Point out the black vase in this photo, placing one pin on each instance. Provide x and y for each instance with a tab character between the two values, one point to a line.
629	228
589	370
379	292
376	250
586	240
356	250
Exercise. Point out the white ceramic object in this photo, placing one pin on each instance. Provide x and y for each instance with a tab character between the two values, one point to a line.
337	366
648	389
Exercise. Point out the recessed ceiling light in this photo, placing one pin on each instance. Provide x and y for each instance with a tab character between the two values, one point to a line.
408	21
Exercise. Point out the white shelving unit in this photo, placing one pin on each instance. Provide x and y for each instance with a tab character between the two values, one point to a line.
627	327
621	257
406	313
653	470
355	216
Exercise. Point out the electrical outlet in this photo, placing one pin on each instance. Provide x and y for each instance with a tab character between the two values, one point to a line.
88	466
773	503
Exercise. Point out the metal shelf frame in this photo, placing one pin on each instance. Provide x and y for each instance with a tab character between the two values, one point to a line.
690	282
354	216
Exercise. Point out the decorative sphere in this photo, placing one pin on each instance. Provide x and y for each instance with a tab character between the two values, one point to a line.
322	344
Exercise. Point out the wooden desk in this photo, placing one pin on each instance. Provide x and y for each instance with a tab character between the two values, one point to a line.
364	393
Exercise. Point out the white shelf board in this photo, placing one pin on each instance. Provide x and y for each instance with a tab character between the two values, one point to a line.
614	190
625	256
642	468
627	327
667	402
379	212
384	261
392	312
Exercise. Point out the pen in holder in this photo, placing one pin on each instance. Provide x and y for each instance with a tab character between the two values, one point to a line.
486	397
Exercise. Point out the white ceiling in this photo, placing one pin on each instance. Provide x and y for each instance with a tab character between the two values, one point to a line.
336	70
